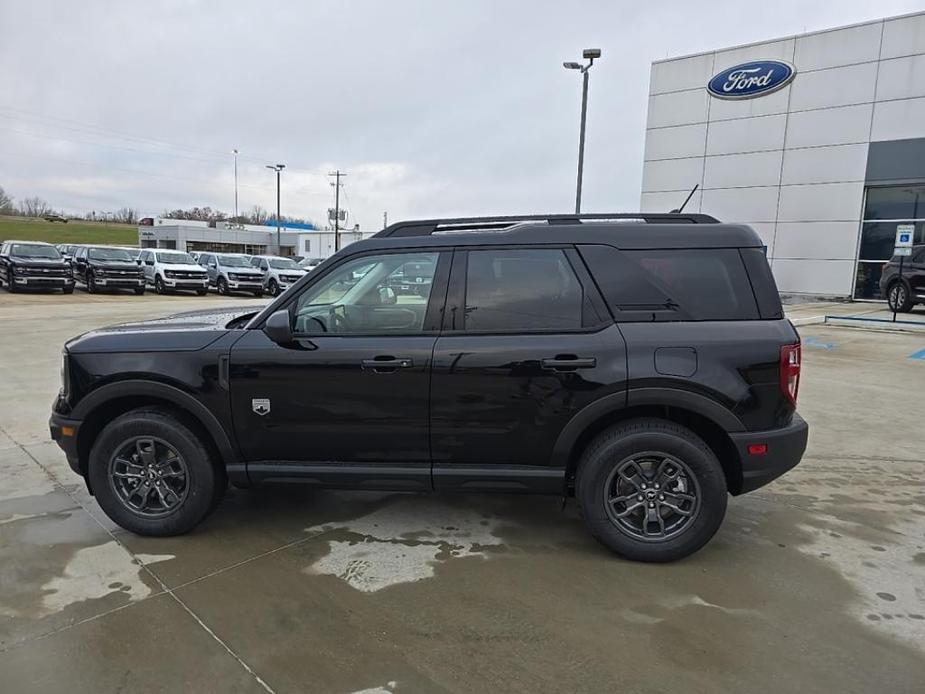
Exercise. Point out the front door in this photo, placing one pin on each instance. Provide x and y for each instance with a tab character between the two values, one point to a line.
527	343
353	387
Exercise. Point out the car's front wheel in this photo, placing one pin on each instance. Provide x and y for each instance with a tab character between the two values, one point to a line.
898	298
152	475
222	285
273	287
159	287
651	490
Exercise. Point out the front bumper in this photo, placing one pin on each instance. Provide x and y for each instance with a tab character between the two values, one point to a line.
255	285
785	448
185	283
64	433
125	282
40	281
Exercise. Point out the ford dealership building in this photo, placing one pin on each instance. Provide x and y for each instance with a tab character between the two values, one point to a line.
817	141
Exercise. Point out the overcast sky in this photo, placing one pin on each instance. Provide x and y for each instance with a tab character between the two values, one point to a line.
432	108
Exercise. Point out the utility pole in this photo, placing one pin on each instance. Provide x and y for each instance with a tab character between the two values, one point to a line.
279	220
235	152
385	219
588	54
337	184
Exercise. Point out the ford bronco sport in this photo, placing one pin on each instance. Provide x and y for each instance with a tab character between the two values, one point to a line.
641	363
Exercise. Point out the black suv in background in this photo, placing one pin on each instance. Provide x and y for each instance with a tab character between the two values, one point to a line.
34	265
641	363
104	267
903	295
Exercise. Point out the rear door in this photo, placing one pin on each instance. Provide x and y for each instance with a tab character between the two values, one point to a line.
353	385
526	344
79	264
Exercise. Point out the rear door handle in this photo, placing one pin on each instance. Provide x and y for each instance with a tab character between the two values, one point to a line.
568	362
387	364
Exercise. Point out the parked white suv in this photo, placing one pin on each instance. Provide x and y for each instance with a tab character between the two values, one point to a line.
171	270
232	272
278	273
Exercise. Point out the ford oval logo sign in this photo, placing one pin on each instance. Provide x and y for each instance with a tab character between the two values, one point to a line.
749	80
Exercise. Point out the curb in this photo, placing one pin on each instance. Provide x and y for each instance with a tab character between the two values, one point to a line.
875	324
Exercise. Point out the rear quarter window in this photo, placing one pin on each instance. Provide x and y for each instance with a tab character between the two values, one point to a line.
672	284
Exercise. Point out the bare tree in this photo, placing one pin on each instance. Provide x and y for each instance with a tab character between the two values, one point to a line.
257	215
126	215
6	203
34	207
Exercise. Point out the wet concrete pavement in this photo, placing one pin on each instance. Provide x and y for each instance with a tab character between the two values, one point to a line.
814	584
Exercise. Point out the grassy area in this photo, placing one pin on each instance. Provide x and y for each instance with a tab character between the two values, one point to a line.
27	229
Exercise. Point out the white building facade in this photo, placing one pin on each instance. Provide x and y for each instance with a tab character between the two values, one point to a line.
824	167
185	235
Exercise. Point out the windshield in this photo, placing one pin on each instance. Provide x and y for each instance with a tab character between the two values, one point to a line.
133	253
175	259
283	264
28	250
109	254
232	261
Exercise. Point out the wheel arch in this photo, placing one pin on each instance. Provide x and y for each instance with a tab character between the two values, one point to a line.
106	403
708	419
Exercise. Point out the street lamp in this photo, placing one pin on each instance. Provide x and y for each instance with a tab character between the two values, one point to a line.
277	168
235	152
589	54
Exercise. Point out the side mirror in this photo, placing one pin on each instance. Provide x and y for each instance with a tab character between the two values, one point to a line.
278	328
387	296
138	261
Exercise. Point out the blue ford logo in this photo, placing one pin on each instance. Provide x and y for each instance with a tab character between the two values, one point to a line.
749	80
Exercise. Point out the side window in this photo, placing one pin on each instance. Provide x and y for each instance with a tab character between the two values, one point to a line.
378	294
522	290
675	284
264	265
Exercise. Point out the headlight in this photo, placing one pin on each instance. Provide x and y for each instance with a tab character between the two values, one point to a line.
99	272
65	372
168	273
19	270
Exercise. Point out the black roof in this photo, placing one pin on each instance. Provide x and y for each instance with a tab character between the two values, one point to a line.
622	230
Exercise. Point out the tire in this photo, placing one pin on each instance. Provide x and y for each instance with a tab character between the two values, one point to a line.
68	290
195	493
222	286
159	287
650	443
258	293
201	292
139	291
899	298
91	285
273	288
11	286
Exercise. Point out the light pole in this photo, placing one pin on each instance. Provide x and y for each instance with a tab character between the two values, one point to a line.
235	152
589	54
277	168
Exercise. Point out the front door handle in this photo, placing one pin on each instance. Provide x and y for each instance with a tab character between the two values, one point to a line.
387	364
568	362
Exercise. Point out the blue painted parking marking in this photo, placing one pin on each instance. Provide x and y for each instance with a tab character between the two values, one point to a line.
918	355
813	342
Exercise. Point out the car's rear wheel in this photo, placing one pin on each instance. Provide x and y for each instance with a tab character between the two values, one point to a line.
152	475
651	490
899	298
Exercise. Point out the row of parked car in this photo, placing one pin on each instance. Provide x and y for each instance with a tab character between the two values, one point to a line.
32	264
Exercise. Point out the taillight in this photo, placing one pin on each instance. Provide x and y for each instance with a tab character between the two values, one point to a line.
790	371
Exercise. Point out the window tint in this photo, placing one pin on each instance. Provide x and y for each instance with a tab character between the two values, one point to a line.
677	284
372	294
524	290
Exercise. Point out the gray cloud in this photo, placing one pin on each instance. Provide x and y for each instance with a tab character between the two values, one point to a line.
434	108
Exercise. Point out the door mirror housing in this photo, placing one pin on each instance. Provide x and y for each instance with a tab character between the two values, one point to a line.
387	296
278	328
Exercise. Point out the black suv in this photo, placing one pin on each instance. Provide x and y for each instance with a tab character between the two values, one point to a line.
903	295
641	363
34	265
105	267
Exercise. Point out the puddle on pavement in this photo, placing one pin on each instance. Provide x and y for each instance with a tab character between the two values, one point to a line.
403	541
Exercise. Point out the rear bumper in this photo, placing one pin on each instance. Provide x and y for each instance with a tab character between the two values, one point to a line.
785	448
64	433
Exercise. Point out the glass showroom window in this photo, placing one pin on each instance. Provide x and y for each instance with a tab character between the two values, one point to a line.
886	207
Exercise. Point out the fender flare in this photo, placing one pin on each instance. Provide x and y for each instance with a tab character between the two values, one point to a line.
163	391
617	402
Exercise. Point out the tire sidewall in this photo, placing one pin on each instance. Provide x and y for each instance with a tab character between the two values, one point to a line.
596	468
159	287
274	288
202	478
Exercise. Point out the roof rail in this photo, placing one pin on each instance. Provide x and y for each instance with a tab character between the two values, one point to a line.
426	227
